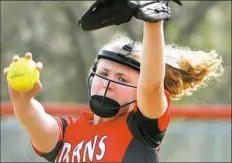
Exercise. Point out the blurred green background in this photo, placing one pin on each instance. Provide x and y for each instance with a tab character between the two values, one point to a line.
51	32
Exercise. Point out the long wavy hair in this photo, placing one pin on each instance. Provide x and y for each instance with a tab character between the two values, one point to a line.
185	71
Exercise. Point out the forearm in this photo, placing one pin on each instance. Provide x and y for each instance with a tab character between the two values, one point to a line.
152	61
33	118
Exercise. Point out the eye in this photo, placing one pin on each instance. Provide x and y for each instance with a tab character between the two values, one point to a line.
122	80
103	74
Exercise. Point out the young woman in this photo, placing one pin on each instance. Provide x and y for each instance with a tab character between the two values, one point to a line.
130	89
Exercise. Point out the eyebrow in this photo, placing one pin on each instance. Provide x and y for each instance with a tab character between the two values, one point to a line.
121	74
106	69
118	73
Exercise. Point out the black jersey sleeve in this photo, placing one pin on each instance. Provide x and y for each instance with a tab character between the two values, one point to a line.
150	132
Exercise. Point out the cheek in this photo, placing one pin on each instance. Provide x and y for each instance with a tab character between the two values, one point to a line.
128	93
96	85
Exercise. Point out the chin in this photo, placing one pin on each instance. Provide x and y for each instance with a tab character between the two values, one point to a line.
123	110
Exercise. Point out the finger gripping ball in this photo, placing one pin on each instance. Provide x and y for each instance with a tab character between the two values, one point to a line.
22	75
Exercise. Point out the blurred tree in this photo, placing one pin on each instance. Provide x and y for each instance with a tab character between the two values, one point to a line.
51	32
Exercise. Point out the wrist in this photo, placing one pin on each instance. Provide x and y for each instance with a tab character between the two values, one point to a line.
154	25
153	29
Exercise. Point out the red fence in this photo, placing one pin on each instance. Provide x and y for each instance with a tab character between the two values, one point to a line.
186	111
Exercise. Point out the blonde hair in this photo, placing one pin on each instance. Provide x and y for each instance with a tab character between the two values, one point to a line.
185	70
189	70
119	40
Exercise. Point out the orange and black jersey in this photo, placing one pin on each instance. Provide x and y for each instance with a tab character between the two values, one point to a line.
131	138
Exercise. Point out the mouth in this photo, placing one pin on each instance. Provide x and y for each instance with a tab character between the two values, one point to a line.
107	96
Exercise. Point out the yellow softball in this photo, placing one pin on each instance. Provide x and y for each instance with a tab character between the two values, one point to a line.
23	74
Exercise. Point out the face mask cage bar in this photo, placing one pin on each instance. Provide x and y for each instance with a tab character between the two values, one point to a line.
92	74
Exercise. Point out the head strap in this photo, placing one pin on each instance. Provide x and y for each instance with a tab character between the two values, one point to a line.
126	49
121	57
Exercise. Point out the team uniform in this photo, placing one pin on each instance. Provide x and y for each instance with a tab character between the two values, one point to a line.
132	138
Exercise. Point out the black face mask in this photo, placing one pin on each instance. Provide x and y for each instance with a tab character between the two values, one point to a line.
104	106
101	105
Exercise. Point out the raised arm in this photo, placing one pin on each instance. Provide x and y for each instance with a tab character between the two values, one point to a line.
151	97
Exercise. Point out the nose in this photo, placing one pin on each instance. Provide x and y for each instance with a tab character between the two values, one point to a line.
108	84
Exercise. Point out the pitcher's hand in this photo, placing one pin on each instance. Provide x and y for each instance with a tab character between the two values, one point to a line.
24	97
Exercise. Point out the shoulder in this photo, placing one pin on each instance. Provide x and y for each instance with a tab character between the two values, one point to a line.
149	131
161	123
72	124
69	120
